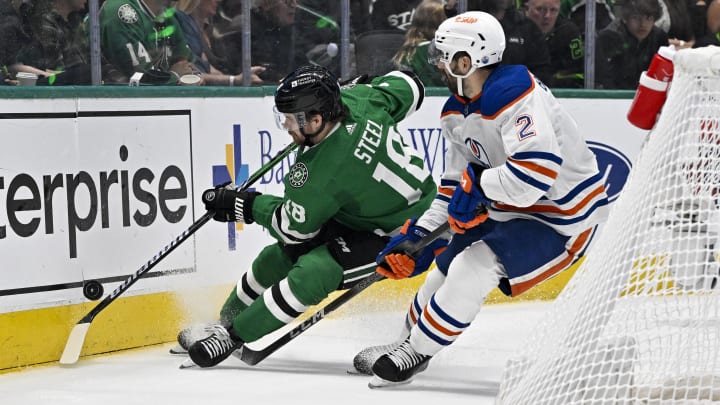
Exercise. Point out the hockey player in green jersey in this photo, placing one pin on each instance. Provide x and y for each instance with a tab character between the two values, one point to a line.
144	36
353	185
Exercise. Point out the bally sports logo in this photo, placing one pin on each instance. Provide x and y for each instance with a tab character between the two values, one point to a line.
236	171
233	171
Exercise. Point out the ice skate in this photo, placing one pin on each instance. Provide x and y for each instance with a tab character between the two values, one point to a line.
178	349
364	360
398	366
215	348
185	339
190	335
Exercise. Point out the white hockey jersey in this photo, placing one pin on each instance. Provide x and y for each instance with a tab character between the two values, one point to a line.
537	162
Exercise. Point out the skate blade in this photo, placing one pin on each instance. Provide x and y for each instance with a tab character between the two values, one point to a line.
354	371
188	363
379	383
177	349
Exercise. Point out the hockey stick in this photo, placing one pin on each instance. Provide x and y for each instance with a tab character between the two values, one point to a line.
253	357
75	341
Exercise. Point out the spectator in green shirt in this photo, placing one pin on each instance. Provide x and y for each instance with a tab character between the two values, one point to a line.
144	36
413	54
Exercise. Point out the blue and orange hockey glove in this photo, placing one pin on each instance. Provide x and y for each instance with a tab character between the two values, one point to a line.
468	204
396	260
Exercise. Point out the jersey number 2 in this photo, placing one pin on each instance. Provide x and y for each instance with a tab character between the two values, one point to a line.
525	122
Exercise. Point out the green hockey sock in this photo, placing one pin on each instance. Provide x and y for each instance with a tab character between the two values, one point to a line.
256	321
231	308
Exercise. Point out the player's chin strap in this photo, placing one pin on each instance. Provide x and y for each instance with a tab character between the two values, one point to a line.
459	78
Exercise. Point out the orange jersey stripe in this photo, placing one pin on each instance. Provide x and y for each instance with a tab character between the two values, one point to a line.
535	167
463	101
553	209
525	93
445	114
446	191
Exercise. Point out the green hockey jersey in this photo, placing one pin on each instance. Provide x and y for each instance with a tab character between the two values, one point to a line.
363	174
133	39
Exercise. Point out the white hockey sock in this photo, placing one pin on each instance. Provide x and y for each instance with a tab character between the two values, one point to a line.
471	276
433	281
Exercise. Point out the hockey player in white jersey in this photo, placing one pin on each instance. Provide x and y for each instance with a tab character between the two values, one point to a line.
521	191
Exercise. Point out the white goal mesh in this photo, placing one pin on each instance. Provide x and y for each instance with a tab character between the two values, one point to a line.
640	321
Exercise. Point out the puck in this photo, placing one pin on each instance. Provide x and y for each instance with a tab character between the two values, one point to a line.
93	290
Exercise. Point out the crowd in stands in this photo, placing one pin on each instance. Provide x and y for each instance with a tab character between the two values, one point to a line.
160	41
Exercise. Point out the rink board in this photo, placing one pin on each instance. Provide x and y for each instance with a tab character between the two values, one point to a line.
125	168
39	336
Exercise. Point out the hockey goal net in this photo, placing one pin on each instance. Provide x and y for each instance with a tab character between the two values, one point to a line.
639	323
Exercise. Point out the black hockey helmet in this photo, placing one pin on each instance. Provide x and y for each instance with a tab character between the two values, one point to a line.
310	89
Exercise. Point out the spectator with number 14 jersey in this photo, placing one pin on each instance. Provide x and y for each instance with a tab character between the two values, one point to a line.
144	36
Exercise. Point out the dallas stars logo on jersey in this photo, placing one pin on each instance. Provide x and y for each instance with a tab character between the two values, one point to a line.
127	14
298	175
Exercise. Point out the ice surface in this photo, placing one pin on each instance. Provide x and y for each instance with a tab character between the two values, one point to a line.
309	370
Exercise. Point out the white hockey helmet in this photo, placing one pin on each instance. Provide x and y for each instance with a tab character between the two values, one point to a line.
475	32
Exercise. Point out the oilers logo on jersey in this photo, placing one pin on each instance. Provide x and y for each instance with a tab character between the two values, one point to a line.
478	151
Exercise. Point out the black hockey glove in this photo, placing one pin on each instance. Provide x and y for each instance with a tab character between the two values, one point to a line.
229	204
